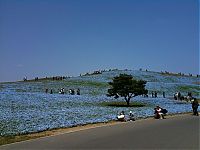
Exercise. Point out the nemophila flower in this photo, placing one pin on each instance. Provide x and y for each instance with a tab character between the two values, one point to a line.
25	107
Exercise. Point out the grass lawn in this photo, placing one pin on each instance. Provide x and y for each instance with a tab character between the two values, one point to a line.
122	104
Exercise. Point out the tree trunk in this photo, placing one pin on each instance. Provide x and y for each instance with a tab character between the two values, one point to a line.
128	100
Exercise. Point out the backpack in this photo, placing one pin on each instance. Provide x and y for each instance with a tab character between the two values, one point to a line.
164	111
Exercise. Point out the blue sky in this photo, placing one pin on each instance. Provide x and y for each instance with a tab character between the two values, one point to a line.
68	37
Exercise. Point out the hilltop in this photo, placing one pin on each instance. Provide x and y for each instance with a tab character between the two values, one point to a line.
95	83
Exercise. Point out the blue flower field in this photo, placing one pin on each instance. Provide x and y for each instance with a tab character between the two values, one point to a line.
26	108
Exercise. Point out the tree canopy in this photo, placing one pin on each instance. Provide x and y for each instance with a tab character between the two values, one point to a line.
125	86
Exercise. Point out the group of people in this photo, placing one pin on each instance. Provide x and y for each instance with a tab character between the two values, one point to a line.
179	96
159	112
59	78
62	91
179	74
122	117
47	90
154	94
72	91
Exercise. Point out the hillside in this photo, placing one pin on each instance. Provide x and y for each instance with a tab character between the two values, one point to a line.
97	84
25	107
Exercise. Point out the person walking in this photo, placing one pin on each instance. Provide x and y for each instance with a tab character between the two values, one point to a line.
163	94
78	92
152	93
155	94
195	106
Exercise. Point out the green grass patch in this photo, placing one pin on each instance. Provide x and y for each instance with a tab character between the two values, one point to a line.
171	80
20	90
188	88
86	83
11	139
23	137
94	93
150	78
122	104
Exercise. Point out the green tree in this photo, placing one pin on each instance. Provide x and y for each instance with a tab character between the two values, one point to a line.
125	86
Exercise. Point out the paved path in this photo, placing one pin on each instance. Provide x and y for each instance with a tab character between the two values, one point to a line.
180	132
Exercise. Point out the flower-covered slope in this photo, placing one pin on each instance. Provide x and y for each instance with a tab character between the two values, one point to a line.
25	107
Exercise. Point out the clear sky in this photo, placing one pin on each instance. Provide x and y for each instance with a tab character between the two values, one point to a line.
68	37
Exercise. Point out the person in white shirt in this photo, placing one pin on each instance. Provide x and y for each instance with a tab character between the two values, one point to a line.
159	112
121	116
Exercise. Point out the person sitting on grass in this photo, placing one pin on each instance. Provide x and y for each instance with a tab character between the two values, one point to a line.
159	112
121	116
131	116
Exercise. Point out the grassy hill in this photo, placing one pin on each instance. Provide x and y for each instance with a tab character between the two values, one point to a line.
25	107
96	84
